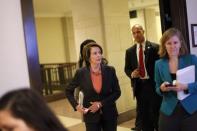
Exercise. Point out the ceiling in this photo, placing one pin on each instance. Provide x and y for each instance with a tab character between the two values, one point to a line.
63	7
139	4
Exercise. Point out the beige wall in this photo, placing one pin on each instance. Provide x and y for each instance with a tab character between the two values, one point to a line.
14	70
105	21
117	40
108	23
51	44
69	38
153	25
149	18
138	20
87	22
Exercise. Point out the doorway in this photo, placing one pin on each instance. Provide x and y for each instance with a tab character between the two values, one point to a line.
31	40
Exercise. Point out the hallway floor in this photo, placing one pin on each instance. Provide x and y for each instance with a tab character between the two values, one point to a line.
72	119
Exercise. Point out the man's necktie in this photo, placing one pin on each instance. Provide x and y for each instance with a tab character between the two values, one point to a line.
141	62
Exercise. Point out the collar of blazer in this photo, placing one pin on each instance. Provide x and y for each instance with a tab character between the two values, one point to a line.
164	67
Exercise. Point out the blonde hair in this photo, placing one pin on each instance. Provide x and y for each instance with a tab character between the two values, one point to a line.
166	36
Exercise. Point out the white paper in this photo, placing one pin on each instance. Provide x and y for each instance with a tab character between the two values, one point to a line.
185	76
81	96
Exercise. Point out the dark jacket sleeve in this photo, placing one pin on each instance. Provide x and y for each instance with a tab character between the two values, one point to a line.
127	67
115	89
69	91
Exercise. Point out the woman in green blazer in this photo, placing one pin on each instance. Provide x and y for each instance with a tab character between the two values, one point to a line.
175	115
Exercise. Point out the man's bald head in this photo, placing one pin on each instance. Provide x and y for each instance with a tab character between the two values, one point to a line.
137	26
138	33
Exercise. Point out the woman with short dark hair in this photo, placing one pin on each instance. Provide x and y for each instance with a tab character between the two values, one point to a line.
101	89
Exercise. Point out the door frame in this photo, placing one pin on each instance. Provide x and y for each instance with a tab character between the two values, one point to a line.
173	13
31	45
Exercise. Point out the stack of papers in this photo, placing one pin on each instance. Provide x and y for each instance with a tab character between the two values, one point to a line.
81	97
185	76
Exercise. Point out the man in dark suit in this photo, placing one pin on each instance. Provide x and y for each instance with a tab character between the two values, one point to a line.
139	67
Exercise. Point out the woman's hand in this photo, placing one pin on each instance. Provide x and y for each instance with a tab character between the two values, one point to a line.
164	86
95	106
81	109
180	87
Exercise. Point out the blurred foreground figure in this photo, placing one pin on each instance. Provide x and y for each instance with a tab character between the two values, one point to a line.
25	110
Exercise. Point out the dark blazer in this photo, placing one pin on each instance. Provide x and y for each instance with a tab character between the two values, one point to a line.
131	62
110	92
170	100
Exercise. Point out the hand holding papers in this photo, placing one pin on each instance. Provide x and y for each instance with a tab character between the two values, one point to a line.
185	76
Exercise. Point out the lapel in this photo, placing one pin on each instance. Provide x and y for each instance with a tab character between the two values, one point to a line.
165	72
147	51
184	62
181	63
88	79
104	74
164	67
